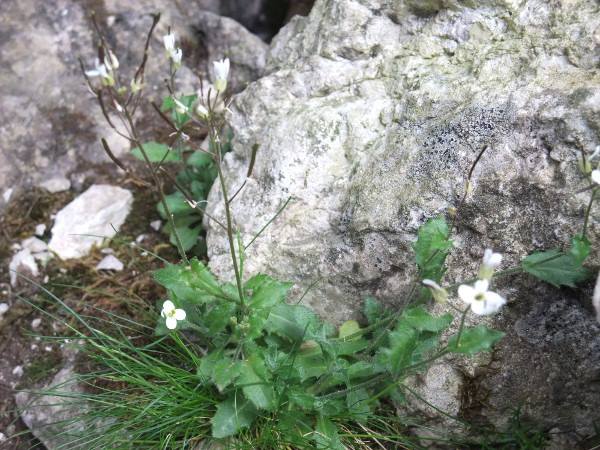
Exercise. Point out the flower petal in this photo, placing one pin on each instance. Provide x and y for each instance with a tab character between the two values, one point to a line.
168	306
466	293
171	323
179	314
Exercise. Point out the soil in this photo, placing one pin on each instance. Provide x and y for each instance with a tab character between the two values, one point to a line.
27	358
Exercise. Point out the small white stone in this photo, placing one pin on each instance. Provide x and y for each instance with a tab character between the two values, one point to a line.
156	225
140	238
22	261
36	323
46	279
40	229
2	437
18	371
96	214
7	194
58	184
110	262
34	346
3	308
34	245
48	348
16	247
107	251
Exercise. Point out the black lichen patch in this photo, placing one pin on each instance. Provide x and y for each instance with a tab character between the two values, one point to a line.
442	146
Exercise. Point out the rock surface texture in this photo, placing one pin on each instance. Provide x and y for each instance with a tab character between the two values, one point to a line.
369	117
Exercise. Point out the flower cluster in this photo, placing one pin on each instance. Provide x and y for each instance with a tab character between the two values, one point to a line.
478	297
173	53
105	69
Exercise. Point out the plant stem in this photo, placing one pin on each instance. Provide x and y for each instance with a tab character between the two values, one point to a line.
217	146
587	214
157	183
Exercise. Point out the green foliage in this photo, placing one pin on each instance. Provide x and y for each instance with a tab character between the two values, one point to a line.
580	249
472	340
264	355
557	268
431	248
197	175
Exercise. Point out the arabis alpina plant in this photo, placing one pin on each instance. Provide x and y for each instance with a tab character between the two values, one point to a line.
221	72
172	314
439	294
491	261
482	301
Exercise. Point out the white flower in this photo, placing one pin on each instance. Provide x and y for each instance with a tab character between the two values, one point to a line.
177	55
221	72
172	314
439	294
169	41
102	70
482	301
491	261
596	176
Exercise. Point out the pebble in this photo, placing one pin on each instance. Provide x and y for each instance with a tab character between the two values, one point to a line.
40	229
156	225
3	308
18	371
110	262
34	245
36	323
7	194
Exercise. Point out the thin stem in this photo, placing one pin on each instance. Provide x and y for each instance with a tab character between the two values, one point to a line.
157	183
587	214
217	146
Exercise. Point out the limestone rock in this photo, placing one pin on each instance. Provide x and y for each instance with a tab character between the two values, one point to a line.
22	262
110	262
371	133
88	219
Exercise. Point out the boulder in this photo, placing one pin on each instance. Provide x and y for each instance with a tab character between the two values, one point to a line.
370	133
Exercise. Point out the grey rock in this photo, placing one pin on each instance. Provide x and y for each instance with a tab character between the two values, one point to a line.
54	416
371	133
51	125
96	214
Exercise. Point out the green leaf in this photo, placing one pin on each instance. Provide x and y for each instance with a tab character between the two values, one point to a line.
206	368
177	205
555	268
219	317
402	343
420	319
349	328
580	249
232	415
156	152
199	159
188	236
431	248
225	372
290	321
374	310
257	389
266	291
359	406
326	435
472	340
191	283
310	362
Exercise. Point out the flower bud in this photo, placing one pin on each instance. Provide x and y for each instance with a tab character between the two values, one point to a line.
221	72
491	261
439	294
